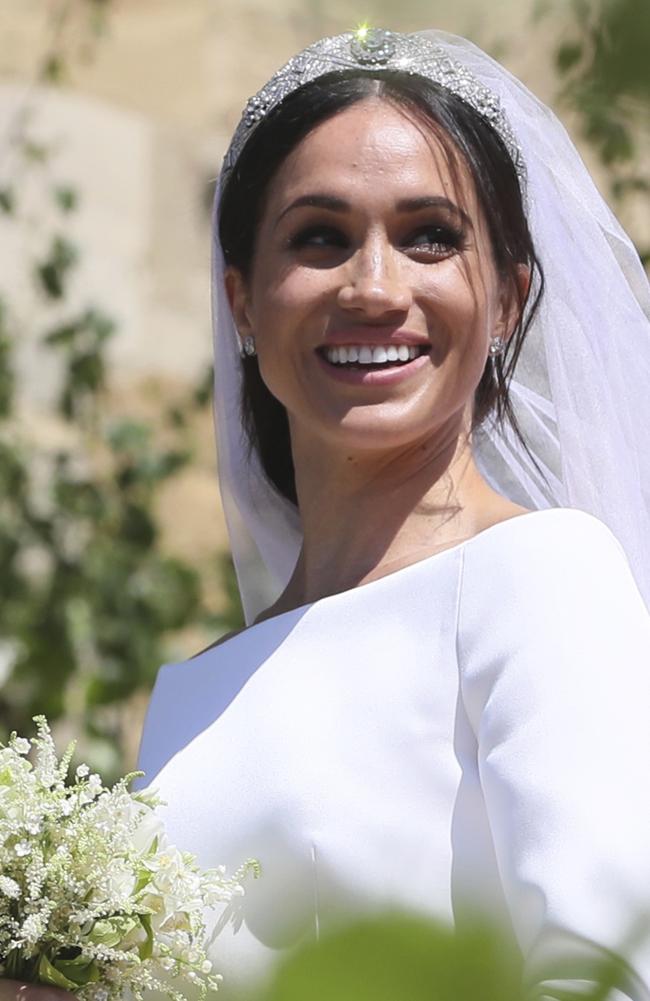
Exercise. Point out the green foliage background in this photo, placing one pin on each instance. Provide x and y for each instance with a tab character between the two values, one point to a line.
89	599
88	596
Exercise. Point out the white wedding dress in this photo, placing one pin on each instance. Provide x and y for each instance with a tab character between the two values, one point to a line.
471	731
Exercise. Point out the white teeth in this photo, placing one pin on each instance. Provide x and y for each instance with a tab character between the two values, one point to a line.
366	354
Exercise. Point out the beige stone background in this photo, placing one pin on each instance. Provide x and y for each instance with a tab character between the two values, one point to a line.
140	126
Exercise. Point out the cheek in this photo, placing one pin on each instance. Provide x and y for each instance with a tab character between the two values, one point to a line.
285	315
457	307
281	304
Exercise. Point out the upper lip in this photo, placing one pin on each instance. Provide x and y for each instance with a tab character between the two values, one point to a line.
374	336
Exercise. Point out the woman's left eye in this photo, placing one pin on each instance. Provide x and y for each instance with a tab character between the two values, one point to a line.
437	240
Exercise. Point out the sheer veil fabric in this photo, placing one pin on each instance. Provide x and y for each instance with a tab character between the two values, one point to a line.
581	388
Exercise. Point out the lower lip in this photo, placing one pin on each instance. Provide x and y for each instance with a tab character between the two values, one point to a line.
374	377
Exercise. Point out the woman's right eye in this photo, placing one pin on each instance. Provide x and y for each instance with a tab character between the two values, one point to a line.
317	237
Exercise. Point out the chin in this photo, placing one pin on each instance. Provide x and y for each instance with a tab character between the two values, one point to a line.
384	429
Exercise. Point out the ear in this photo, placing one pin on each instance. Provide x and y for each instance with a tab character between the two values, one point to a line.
239	300
513	295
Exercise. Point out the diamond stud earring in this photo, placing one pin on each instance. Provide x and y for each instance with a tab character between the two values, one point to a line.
248	347
497	346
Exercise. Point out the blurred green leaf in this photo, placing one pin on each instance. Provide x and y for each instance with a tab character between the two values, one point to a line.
204	388
66	197
37	152
53	69
568	55
53	271
7	377
7	200
129	436
66	333
400	956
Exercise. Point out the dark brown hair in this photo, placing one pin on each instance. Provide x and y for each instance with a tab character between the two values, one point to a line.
460	130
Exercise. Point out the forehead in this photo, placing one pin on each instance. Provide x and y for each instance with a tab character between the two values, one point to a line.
374	148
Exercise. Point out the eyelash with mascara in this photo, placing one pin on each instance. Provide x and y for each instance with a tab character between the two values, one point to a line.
449	238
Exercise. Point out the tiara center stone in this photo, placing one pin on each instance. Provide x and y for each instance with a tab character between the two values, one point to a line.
373	46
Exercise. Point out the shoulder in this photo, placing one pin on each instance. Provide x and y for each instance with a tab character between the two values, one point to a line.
550	615
559	565
553	594
563	546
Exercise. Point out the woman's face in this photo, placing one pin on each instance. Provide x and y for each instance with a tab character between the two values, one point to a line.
368	244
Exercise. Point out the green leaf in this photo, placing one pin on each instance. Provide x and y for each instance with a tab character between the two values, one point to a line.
52	272
111	931
99	324
80	970
7	200
128	435
48	974
202	393
146	949
568	55
144	878
87	371
53	69
66	333
176	417
38	152
399	956
66	197
16	967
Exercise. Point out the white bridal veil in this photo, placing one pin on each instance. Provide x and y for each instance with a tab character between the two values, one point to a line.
581	388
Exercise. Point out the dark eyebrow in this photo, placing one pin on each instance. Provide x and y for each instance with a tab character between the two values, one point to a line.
433	201
329	202
334	204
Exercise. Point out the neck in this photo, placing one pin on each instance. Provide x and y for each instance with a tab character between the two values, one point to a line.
372	513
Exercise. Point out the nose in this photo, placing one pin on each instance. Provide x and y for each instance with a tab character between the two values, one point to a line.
374	285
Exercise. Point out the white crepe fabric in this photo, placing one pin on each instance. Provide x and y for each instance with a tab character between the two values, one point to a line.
467	733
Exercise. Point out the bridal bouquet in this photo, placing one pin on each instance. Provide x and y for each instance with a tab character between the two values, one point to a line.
92	897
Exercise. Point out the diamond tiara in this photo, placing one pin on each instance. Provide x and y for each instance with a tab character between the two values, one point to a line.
371	49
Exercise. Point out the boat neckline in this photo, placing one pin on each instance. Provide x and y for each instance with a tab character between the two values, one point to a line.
301	610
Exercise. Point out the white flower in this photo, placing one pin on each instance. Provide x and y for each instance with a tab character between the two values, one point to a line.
9	887
92	870
149	829
33	928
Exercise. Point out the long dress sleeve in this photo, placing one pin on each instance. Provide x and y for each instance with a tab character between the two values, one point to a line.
554	657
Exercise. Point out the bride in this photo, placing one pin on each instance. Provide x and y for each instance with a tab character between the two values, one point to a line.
432	365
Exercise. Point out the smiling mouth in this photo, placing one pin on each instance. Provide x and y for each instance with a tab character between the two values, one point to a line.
370	357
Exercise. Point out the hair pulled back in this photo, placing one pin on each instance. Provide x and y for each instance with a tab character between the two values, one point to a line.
460	130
